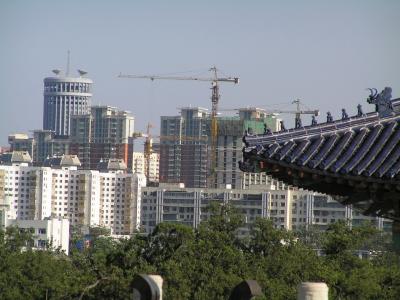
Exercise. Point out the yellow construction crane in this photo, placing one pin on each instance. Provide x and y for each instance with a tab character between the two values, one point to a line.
148	145
215	96
148	148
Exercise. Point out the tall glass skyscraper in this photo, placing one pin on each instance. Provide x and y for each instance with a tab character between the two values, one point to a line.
65	96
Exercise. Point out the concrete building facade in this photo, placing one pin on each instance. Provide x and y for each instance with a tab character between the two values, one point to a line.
109	198
43	144
139	165
105	133
21	142
52	233
65	96
229	144
185	146
290	209
48	144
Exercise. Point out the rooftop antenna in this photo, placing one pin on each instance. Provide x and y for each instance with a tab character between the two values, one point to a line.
68	62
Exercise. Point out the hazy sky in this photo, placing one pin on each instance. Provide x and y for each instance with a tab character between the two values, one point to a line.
323	52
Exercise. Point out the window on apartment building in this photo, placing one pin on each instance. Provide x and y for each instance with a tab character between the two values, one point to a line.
41	243
283	196
42	231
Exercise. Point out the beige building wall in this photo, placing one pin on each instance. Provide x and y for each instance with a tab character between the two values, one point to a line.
139	165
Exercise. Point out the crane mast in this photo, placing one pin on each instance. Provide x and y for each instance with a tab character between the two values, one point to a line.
215	96
214	126
148	148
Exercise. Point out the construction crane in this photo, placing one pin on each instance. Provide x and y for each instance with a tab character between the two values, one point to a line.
215	96
298	112
148	145
148	148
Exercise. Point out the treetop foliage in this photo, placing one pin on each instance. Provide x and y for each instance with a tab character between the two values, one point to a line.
205	263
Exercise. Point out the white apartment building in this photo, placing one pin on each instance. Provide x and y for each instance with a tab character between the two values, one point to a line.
76	195
261	181
289	209
25	189
53	233
139	165
169	203
120	201
109	198
50	232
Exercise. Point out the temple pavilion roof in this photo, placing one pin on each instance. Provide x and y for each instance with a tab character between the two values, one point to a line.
356	158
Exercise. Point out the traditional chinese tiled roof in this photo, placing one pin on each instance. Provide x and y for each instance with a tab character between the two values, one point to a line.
357	158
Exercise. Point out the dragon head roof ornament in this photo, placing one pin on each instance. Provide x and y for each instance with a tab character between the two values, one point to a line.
382	102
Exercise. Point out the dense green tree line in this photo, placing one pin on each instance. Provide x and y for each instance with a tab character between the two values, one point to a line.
205	263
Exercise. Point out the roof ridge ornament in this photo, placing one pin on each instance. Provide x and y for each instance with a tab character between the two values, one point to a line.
382	101
329	118
359	111
314	121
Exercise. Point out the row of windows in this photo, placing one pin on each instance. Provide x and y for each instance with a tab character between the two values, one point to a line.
67	87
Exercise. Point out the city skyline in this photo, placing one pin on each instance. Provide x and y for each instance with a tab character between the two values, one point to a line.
276	49
285	181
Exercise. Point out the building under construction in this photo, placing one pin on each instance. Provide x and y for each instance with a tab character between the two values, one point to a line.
185	146
103	134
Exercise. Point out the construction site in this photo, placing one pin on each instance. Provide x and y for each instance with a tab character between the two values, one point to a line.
202	148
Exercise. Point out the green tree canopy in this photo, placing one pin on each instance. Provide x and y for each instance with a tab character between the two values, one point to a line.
204	263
